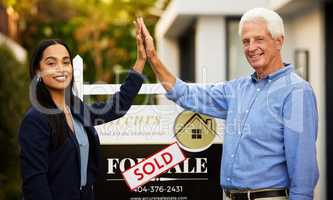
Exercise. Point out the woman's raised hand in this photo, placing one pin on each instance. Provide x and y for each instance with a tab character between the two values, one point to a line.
147	40
141	56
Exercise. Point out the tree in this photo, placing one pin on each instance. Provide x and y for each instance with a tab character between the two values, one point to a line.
101	31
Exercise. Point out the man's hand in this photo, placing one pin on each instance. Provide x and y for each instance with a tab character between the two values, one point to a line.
161	72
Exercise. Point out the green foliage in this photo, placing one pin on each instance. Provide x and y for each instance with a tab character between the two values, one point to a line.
13	98
101	31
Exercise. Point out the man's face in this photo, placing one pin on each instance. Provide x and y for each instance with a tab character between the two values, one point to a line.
260	49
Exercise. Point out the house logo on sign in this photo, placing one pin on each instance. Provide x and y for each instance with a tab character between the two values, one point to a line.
194	132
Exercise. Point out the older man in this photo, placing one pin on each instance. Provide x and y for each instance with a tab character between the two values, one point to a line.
271	116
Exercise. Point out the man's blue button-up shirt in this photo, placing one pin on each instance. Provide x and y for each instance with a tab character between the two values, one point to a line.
270	130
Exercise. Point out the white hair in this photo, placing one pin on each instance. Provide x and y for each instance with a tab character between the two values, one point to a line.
273	20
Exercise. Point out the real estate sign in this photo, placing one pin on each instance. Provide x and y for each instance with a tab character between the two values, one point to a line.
146	130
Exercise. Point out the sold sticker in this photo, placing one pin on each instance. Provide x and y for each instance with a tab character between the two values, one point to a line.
153	166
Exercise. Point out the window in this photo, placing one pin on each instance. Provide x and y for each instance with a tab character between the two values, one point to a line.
237	64
196	134
187	55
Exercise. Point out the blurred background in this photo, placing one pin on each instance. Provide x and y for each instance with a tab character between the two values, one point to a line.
197	39
100	31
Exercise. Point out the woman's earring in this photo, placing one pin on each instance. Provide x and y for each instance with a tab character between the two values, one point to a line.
39	78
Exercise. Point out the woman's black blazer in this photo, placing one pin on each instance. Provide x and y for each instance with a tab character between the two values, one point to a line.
54	174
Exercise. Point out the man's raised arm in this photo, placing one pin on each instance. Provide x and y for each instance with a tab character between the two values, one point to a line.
162	73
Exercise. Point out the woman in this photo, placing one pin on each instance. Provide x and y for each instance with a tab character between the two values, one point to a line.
59	145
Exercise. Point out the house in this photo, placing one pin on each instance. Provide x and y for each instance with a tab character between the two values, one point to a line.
198	41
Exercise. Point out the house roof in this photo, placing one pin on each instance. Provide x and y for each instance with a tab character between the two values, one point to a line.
196	116
181	13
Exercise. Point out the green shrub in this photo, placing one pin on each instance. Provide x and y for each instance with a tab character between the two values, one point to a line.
14	100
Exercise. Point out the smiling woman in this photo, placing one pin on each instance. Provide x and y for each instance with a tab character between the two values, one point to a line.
57	67
59	144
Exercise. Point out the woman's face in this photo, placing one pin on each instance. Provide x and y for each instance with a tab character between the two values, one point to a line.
55	67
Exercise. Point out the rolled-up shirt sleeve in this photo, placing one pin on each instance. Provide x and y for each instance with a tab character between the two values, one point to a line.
207	99
300	118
